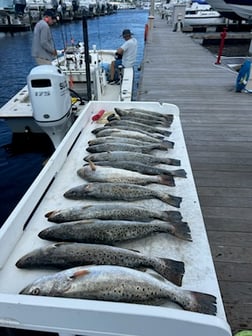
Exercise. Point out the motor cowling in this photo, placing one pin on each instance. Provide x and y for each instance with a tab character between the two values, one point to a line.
49	95
51	101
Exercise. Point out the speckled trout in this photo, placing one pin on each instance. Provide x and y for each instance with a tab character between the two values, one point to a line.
119	146
116	132
119	284
129	128
95	173
140	119
145	114
146	128
129	156
111	211
119	192
66	255
142	168
130	141
98	231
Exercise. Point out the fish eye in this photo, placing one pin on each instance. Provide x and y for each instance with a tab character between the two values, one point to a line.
35	291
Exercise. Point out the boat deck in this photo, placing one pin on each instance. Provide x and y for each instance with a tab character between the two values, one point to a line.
216	123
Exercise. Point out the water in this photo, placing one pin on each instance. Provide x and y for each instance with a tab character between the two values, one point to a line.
19	169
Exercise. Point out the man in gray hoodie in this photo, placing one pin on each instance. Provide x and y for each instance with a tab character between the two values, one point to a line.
43	49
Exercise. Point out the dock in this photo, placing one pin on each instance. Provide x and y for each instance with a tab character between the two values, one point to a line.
217	123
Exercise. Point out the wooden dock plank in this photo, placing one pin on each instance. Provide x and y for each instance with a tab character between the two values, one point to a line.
217	128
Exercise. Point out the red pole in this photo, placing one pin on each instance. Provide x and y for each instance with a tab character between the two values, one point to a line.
146	29
223	36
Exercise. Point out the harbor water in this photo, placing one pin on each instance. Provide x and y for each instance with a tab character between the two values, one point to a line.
21	165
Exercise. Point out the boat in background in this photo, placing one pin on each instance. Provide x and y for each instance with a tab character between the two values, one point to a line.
11	23
201	14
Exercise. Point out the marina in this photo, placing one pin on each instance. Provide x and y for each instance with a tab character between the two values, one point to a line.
213	117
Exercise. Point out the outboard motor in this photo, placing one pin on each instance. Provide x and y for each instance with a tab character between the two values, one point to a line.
51	101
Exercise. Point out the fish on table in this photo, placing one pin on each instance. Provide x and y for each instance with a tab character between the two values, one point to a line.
127	123
112	147
141	168
122	134
111	211
128	127
96	173
119	192
98	231
130	156
66	255
119	284
161	145
145	114
141	120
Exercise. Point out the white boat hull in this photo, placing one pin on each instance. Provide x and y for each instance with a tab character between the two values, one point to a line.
204	20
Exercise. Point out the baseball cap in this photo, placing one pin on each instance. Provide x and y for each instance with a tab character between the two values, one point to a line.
51	13
126	32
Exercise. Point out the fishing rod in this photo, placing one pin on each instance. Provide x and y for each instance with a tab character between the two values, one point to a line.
86	52
54	45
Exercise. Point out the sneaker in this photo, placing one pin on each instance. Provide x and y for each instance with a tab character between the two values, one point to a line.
112	82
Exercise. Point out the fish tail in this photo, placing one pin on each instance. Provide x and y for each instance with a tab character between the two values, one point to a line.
164	142
171	270
168	117
173	162
167	180
170	199
166	123
169	144
179	173
182	231
158	136
172	216
167	133
174	201
164	145
198	302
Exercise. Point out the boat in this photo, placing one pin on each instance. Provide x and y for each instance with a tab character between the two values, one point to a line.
19	235
202	14
123	5
225	9
35	9
12	23
39	107
243	8
72	64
